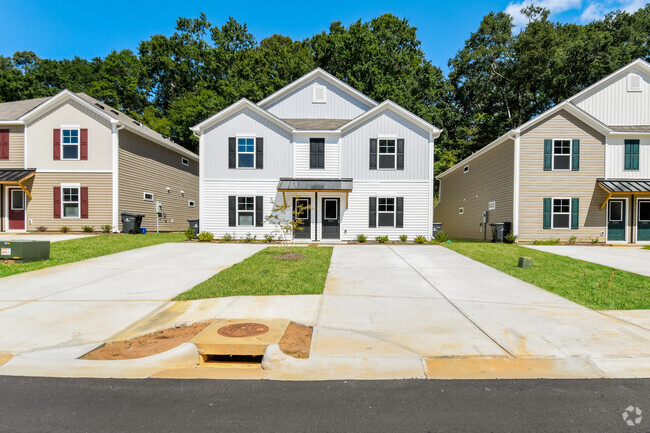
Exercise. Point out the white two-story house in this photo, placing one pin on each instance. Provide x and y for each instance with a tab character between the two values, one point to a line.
359	167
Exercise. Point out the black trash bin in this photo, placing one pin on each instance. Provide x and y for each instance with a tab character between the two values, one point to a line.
131	222
497	232
195	225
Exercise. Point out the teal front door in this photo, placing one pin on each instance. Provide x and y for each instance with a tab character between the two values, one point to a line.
616	220
643	223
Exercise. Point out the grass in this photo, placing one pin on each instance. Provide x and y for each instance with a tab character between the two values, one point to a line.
263	274
78	249
589	284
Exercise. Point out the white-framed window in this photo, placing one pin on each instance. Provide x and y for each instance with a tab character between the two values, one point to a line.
386	212
461	210
634	83
147	196
387	153
191	203
70	142
615	211
245	152
185	161
17	199
245	211
561	213
319	94
561	154
466	169
70	200
492	205
331	211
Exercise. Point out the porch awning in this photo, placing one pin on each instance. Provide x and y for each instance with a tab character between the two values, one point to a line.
624	187
17	177
287	184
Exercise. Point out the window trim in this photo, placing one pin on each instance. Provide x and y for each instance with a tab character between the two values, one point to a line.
553	213
609	211
254	152
254	211
393	212
185	161
144	196
61	144
191	203
338	211
11	207
568	155
63	202
394	153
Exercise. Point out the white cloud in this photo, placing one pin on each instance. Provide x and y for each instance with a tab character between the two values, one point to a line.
592	12
555	6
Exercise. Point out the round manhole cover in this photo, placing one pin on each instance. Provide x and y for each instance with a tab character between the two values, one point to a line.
239	330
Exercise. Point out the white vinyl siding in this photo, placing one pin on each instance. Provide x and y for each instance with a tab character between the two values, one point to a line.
616	158
301	162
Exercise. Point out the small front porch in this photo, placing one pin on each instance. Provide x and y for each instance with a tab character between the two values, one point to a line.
15	193
628	210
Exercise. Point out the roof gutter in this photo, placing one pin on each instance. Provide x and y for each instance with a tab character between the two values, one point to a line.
11	122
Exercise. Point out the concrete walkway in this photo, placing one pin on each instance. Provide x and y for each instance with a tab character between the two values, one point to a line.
92	300
629	259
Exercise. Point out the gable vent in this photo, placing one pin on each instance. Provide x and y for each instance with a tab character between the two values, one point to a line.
319	95
633	83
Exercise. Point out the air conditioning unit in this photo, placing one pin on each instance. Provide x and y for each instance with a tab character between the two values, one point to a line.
25	251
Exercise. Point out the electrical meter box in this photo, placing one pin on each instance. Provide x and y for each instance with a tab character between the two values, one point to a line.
25	251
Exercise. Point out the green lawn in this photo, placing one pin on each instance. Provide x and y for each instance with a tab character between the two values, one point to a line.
262	274
581	282
78	249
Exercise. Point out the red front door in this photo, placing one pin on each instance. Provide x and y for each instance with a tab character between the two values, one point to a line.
16	209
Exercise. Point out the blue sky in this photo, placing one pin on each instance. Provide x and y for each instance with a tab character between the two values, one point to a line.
54	29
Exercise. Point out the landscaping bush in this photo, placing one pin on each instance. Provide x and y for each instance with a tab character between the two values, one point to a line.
189	233
88	229
361	238
547	242
106	228
227	237
441	237
249	238
510	238
206	237
573	239
381	239
403	238
64	229
595	240
41	229
269	238
420	239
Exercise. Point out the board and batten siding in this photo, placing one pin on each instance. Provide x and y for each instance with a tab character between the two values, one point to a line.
148	167
612	104
298	104
40	209
302	152
278	154
355	151
16	148
537	184
616	158
40	138
490	179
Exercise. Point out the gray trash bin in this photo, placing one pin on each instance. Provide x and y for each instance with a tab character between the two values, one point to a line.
131	222
497	232
437	227
195	225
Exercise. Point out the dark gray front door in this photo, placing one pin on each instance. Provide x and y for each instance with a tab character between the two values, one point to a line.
331	220
304	205
616	220
643	222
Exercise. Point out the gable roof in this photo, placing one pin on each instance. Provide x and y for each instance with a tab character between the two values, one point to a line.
637	64
235	108
399	110
317	73
10	111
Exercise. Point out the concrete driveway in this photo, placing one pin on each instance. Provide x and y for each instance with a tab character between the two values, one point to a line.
629	259
90	301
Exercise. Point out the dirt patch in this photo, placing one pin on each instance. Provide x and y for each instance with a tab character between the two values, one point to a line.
290	256
296	341
147	345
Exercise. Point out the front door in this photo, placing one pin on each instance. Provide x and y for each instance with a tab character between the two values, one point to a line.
16	209
616	220
331	218
302	211
643	223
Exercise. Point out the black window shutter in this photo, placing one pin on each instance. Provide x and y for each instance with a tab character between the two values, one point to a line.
400	154
575	155
548	154
575	213
321	153
547	213
259	211
373	154
232	152
372	214
399	212
232	211
259	153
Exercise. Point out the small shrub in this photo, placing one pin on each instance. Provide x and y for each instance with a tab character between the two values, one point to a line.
206	237
189	233
441	237
361	238
511	238
41	229
595	240
420	239
227	237
547	242
269	238
64	229
573	239
88	229
381	239
106	228
249	238
403	238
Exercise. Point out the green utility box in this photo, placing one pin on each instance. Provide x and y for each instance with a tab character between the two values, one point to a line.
525	262
25	251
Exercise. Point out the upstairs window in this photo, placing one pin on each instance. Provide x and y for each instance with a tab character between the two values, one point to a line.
631	154
69	143
387	154
246	152
245	211
561	154
317	153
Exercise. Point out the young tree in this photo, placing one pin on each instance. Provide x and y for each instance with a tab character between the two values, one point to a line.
286	223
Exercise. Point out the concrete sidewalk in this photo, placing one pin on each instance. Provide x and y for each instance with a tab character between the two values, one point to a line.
629	259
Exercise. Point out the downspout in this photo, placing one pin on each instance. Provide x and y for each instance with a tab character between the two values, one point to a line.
201	176
516	135
116	126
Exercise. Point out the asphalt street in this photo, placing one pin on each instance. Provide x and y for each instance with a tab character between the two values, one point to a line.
108	405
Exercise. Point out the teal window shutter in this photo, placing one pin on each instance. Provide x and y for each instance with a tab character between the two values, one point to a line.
547	213
575	155
631	154
548	154
575	213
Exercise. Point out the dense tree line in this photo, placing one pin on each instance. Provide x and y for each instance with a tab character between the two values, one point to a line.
498	80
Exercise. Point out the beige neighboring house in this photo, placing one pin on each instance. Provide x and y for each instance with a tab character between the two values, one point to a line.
70	160
580	169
